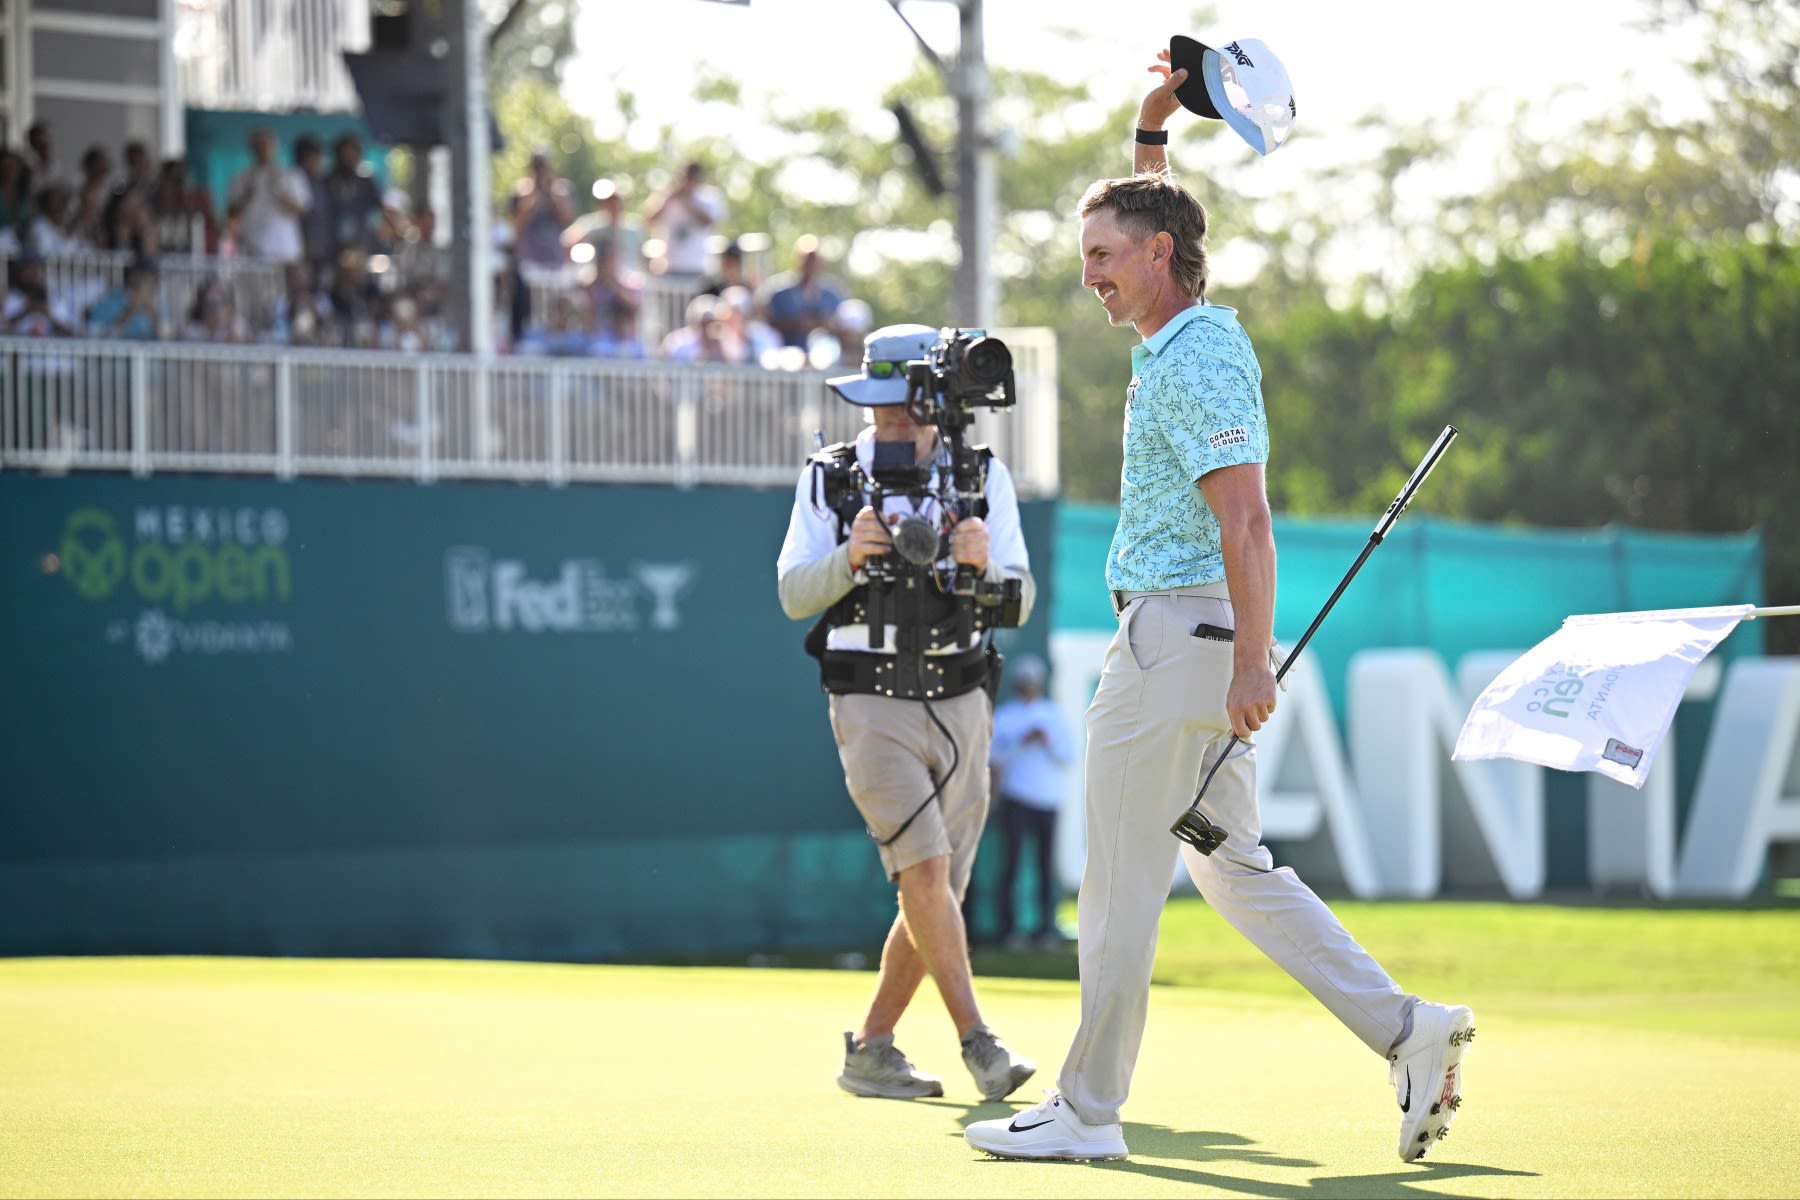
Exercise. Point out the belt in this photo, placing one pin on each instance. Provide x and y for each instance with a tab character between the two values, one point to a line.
902	676
1122	596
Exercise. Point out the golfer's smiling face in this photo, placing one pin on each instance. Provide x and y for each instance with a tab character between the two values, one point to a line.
1118	269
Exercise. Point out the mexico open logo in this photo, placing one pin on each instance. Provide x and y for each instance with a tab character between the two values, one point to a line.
92	554
182	558
179	556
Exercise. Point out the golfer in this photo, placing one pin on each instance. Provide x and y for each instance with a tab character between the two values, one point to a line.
1192	576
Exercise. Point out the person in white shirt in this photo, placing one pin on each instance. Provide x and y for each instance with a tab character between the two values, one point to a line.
684	216
1032	745
265	202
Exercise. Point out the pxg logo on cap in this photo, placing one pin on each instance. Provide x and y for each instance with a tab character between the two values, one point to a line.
1243	85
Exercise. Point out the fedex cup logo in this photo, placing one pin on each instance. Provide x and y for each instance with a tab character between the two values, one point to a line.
485	594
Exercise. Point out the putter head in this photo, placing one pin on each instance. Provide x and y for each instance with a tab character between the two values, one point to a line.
1193	828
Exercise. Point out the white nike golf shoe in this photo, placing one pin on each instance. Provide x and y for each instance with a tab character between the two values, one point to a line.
1049	1129
1426	1071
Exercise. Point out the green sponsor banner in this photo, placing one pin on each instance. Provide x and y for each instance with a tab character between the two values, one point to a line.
207	671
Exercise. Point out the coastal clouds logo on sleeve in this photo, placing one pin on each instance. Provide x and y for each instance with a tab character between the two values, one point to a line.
484	593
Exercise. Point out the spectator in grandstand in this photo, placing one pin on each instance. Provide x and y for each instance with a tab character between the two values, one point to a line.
91	194
140	169
614	234
264	204
36	316
302	316
132	310
540	210
48	232
805	299
17	205
125	224
183	211
355	213
27	310
729	272
701	338
41	144
851	323
567	332
315	222
403	327
747	338
682	216
618	336
213	316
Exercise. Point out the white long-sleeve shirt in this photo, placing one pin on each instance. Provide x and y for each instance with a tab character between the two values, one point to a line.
814	567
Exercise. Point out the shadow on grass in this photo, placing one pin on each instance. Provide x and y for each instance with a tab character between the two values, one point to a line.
1218	1148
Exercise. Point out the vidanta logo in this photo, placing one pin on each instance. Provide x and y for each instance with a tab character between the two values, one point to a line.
485	594
179	556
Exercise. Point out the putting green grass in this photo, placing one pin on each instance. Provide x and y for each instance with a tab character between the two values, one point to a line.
1621	1052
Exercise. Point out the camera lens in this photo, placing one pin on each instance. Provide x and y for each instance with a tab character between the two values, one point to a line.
987	360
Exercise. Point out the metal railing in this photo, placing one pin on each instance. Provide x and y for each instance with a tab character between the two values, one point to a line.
253	54
79	404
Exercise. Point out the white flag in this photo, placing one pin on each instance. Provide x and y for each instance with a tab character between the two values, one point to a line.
1599	693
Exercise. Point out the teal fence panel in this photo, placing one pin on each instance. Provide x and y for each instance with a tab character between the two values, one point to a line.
1455	587
380	718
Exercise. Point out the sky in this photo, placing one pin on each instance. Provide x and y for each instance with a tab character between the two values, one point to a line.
1402	60
1347	58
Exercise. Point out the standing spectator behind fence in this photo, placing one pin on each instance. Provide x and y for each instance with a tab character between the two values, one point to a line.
682	217
616	236
803	300
616	240
126	225
540	211
140	169
48	232
183	210
17	205
264	204
730	273
45	170
353	205
315	222
91	194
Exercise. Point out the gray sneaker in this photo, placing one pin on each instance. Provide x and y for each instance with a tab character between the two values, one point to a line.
997	1070
877	1068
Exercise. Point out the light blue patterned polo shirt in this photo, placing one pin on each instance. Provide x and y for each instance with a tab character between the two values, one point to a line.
1194	405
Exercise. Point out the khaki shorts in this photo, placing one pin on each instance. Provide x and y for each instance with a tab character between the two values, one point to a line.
893	754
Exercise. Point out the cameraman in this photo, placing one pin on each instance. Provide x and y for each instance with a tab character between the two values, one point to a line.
908	708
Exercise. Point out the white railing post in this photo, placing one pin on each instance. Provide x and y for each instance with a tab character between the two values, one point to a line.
284	417
559	419
140	414
427	470
481	441
687	433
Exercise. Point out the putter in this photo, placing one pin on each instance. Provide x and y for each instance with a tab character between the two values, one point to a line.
1192	826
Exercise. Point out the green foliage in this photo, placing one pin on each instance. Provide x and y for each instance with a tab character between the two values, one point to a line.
1611	325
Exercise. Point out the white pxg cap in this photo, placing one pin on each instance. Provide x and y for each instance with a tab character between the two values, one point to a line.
1243	85
885	355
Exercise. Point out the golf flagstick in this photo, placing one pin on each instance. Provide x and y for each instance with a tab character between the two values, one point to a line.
1192	826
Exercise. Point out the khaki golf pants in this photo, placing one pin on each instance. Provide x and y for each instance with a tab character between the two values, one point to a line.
1157	723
